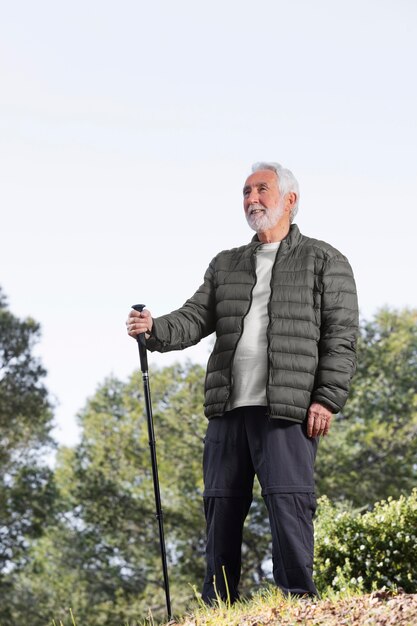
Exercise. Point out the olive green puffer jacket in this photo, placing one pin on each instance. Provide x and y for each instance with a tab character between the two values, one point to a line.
311	334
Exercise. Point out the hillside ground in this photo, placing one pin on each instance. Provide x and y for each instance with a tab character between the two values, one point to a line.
381	607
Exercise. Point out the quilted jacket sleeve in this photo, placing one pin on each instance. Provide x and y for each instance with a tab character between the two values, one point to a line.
339	331
190	323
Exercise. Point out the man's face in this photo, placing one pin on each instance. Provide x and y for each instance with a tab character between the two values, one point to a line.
262	201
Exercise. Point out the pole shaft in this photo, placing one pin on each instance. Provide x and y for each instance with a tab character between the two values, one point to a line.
159	512
143	356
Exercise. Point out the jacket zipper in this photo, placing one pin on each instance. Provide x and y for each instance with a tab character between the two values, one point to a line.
243	323
268	336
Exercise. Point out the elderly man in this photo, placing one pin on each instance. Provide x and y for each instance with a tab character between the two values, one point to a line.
285	314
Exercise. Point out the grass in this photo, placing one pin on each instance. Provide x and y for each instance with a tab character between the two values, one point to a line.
54	623
266	603
270	607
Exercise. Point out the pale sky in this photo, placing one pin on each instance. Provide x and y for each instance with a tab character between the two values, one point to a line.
126	133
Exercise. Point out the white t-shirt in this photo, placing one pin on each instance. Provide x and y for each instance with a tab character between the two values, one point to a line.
250	365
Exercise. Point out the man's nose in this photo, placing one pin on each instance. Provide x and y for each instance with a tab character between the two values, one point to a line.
253	197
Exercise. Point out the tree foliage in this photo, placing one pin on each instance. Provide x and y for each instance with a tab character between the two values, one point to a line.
26	486
371	452
102	555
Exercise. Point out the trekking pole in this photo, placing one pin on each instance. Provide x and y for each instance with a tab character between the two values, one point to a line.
159	514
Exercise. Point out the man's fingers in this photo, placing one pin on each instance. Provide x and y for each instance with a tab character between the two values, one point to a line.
319	420
310	425
313	424
138	322
327	425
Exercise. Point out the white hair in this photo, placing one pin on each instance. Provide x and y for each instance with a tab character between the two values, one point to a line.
286	181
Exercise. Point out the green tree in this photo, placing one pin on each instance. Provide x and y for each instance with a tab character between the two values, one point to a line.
371	452
103	558
26	485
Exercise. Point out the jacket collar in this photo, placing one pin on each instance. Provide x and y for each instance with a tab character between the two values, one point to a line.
289	241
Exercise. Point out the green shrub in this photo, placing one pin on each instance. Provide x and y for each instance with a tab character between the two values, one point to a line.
370	550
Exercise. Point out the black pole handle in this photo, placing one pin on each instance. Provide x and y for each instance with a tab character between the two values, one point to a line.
141	342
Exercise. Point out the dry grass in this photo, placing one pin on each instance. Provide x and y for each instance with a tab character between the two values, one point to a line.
272	608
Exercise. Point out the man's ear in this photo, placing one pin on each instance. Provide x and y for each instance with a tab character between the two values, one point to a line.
290	200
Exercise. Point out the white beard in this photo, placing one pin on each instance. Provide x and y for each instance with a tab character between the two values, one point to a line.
266	219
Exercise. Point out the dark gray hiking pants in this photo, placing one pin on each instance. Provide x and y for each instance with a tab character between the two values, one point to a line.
238	445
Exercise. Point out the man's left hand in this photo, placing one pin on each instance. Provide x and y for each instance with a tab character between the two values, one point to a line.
319	418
